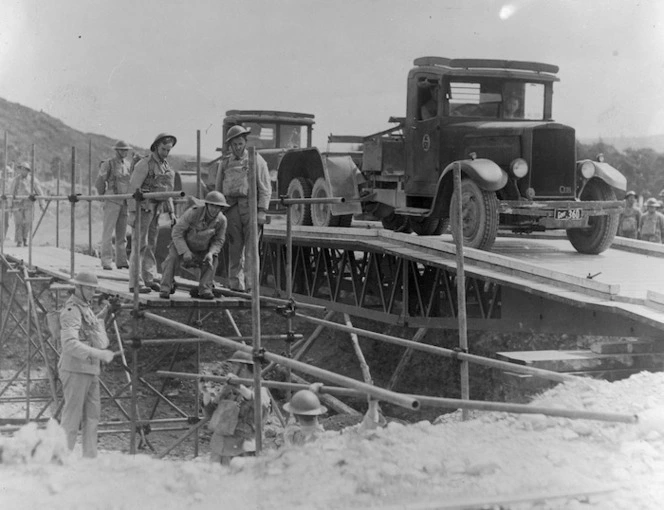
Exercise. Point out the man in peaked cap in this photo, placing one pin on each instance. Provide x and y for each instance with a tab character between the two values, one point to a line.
113	179
151	174
84	345
233	182
197	238
630	217
23	208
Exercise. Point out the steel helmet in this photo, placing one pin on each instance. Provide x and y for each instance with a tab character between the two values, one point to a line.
216	198
85	278
305	402
236	131
241	357
631	194
121	145
26	165
653	202
159	138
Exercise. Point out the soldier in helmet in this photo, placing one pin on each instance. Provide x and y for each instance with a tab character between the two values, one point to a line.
304	407
197	238
23	208
84	345
630	217
651	226
113	179
233	182
151	174
232	421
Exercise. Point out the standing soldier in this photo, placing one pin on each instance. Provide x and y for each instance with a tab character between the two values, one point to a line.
151	174
84	342
113	179
23	208
197	238
233	182
630	217
651	227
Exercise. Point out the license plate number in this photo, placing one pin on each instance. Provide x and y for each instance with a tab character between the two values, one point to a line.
567	214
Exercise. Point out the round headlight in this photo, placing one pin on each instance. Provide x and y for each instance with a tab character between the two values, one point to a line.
587	169
519	167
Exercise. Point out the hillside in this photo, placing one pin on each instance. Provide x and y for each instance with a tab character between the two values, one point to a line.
54	141
622	143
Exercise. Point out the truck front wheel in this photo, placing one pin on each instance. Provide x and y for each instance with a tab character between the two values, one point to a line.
601	230
479	215
321	214
300	187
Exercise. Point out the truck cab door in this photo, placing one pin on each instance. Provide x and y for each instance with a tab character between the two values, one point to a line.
423	134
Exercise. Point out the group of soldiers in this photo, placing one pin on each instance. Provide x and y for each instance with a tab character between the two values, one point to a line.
199	234
646	224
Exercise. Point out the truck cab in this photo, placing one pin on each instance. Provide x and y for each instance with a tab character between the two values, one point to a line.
493	119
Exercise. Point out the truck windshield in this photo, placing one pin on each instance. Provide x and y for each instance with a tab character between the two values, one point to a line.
496	99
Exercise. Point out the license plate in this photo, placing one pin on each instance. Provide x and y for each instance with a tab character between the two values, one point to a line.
567	214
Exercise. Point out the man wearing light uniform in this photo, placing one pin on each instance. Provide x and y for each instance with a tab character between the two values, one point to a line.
233	182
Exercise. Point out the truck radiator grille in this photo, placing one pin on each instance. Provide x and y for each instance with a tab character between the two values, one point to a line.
553	163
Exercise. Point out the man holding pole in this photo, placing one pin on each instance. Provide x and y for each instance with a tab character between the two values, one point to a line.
23	208
151	174
113	179
233	182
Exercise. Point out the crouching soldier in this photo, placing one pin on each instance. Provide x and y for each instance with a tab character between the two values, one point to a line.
305	408
197	238
232	422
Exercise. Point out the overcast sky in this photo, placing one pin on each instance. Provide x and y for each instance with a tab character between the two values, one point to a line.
133	68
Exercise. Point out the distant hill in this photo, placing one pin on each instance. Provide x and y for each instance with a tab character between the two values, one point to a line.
54	141
621	143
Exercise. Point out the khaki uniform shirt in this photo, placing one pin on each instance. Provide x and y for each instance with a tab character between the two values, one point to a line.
233	179
113	178
150	175
81	334
195	232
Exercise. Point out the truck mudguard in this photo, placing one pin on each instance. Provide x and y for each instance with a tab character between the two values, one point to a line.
344	179
487	174
608	174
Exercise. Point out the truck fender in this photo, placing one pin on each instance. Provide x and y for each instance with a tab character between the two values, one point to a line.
607	173
306	163
487	174
343	180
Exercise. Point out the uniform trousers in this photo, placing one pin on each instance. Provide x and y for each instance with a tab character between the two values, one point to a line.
82	408
172	263
144	239
23	222
238	232
115	220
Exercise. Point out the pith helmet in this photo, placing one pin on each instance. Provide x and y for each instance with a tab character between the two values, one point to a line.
85	278
631	194
241	357
305	402
121	145
653	202
216	198
236	131
25	164
160	137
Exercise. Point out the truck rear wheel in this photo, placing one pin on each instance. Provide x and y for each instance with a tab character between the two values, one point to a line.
396	222
601	230
300	187
480	215
321	214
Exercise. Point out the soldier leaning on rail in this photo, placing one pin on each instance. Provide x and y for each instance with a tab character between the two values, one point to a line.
84	342
630	217
651	226
233	182
197	238
151	174
23	208
113	179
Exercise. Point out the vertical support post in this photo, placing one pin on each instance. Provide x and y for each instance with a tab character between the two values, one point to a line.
28	371
57	206
461	287
199	190
89	194
255	297
32	205
3	203
289	282
72	217
136	342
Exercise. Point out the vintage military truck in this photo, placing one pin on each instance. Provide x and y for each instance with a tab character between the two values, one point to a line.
492	118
